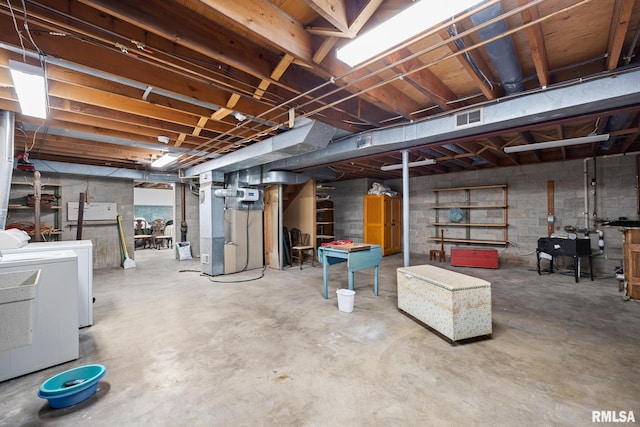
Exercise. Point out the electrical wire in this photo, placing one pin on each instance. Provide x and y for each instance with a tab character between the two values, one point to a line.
41	54
518	249
26	28
317	99
211	279
15	24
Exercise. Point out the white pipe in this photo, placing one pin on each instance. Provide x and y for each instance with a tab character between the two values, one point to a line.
585	170
600	241
280	230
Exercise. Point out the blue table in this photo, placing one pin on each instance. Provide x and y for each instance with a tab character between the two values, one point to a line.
356	260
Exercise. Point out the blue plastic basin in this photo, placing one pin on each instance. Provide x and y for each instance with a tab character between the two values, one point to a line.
59	396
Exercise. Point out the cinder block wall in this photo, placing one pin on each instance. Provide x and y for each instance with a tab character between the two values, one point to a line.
192	216
616	196
348	205
103	234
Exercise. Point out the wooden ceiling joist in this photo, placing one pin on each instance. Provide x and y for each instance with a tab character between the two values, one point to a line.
536	43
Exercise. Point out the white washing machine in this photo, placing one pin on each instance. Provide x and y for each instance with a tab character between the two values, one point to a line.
55	326
84	250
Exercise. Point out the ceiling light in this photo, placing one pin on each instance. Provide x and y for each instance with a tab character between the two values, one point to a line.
163	139
411	165
399	28
558	143
164	160
239	116
29	82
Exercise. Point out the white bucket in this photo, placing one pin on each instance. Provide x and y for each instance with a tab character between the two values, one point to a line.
345	300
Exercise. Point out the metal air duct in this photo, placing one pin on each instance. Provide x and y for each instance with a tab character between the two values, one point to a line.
278	177
554	103
615	123
307	136
501	51
7	119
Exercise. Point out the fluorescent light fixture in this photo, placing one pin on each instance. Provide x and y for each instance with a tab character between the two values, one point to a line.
399	28
558	143
164	160
411	165
29	83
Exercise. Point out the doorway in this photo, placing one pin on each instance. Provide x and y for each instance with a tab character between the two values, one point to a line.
154	219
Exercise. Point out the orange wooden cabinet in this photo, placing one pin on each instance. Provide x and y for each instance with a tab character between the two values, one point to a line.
383	222
632	262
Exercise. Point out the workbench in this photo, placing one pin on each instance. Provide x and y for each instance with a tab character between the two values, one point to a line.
356	258
557	247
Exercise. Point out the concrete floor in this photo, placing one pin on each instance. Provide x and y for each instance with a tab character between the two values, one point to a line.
181	350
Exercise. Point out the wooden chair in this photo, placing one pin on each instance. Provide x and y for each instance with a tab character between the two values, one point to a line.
439	254
286	247
157	231
300	244
141	234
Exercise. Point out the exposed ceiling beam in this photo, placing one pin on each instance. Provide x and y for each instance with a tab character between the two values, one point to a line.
482	82
425	81
334	11
199	35
620	25
265	22
276	74
83	65
327	45
536	43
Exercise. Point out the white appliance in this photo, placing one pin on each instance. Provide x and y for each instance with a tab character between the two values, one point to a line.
84	250
55	337
13	238
243	235
211	228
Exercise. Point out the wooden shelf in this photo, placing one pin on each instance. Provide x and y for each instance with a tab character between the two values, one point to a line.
470	207
479	187
31	207
461	198
54	232
485	242
324	220
19	212
465	224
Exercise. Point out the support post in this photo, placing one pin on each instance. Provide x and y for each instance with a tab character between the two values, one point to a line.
405	207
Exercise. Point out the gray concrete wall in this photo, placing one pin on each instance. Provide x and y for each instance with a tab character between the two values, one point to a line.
192	217
348	205
527	200
527	214
103	234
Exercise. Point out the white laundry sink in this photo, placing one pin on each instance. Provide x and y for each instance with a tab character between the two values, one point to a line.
17	303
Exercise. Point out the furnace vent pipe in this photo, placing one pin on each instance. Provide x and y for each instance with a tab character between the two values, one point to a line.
6	162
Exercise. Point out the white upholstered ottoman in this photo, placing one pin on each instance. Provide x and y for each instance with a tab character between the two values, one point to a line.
454	304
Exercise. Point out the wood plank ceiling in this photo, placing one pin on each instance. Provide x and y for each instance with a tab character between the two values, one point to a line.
214	76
